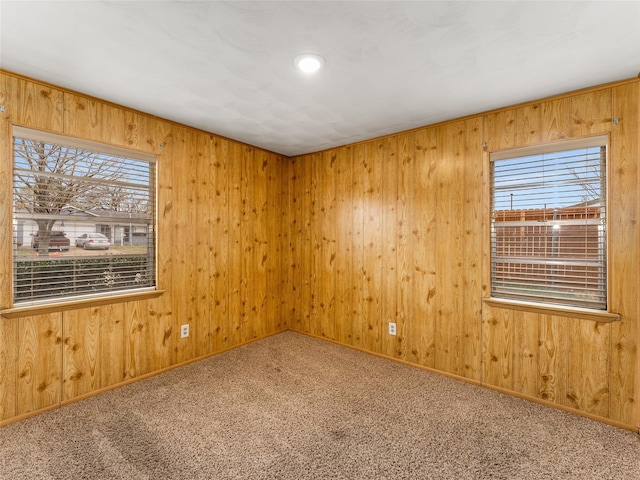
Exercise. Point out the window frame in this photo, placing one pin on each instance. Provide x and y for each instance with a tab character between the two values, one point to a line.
552	306
65	302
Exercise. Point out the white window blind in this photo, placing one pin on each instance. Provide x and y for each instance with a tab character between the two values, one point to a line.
83	218
548	224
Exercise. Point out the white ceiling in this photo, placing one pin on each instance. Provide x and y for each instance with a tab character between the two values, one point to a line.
227	67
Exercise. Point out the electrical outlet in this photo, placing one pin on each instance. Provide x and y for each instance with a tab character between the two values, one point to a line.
184	330
392	328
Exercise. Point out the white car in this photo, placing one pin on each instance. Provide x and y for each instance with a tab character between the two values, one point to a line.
90	241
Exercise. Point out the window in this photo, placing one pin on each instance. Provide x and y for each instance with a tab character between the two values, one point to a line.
548	224
75	207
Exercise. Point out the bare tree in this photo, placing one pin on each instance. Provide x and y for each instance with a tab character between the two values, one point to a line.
50	177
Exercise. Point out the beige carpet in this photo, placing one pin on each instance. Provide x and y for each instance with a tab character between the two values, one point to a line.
293	407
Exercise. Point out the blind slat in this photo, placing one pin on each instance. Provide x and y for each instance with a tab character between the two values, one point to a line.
76	196
548	225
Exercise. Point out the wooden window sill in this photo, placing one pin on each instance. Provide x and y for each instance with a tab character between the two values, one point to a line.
560	310
29	310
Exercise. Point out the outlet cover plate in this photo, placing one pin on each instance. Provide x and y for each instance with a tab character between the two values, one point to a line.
184	330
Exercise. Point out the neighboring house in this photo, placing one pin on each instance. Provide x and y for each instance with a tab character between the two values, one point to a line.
121	228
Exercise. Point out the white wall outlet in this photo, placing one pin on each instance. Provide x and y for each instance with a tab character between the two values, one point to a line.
392	328
184	330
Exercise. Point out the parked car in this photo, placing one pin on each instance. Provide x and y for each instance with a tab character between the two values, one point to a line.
57	241
93	241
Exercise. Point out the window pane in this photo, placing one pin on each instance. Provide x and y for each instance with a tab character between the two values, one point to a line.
548	227
83	219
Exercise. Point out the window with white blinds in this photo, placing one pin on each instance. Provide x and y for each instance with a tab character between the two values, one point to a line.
549	224
83	219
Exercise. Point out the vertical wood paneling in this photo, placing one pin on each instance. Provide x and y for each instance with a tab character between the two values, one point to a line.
139	331
9	348
470	271
624	241
386	230
500	130
8	97
83	117
92	352
137	341
420	340
404	228
295	209
112	341
258	219
81	368
344	264
235	244
201	255
556	120
309	246
248	245
552	352
276	248
316	254
528	122
38	106
498	339
358	318
39	362
185	239
450	249
326	206
219	234
591	113
389	245
525	352
588	366
374	159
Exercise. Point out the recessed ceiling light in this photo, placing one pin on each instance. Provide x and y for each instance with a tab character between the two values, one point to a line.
309	62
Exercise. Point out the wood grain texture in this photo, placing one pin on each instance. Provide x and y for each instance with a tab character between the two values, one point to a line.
309	247
357	247
38	106
471	272
202	181
425	223
235	244
344	261
405	247
184	236
525	352
328	230
219	232
335	244
498	339
81	359
202	186
450	226
420	337
624	241
8	98
294	248
9	343
552	354
39	362
389	243
374	158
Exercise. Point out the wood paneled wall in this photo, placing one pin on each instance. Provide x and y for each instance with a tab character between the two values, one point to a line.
396	230
220	206
334	244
